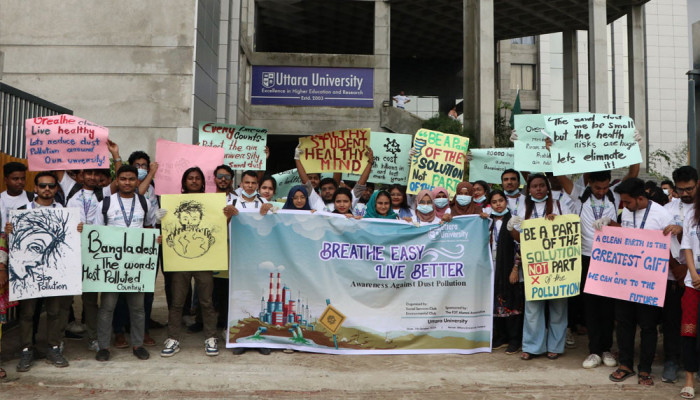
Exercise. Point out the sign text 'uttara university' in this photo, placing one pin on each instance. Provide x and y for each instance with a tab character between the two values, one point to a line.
311	86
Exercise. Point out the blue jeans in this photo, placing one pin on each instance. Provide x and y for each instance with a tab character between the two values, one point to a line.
538	338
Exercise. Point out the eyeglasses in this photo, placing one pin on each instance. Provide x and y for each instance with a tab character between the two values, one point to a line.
46	185
684	190
224	176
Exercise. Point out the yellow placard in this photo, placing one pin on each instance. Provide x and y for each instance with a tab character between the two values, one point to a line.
438	161
336	151
332	319
551	257
194	232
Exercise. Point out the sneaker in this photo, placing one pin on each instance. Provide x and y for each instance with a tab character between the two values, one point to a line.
592	361
239	350
141	353
670	374
93	346
265	351
211	347
26	361
72	336
172	346
512	349
570	340
54	356
75	327
102	355
120	341
609	360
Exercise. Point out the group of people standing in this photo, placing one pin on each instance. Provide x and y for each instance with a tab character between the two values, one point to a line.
531	328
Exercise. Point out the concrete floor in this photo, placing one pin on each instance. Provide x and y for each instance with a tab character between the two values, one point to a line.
191	374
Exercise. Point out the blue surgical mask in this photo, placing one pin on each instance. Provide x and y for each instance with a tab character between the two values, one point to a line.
463	199
540	200
513	193
499	214
665	192
425	208
142	173
250	196
441	202
480	199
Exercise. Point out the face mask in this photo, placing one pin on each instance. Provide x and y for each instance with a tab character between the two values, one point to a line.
441	202
250	196
499	214
463	199
540	200
425	208
666	192
480	199
513	193
142	174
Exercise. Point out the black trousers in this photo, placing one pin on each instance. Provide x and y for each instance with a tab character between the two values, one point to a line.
672	321
577	304
600	322
508	330
628	315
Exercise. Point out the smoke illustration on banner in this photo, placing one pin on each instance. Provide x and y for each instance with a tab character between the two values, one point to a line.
341	286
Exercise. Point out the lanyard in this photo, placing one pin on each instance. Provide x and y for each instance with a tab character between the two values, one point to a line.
534	211
681	211
86	207
517	204
644	220
127	220
598	215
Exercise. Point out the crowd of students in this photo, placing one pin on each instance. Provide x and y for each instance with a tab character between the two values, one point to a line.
531	328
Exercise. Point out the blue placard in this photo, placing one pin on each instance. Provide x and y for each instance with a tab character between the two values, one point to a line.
312	86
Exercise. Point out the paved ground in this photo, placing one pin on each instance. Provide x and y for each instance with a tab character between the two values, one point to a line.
191	374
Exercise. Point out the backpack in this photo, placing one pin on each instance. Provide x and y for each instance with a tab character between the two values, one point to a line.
78	187
257	196
106	202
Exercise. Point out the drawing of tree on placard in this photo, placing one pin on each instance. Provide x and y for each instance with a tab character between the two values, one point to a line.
189	239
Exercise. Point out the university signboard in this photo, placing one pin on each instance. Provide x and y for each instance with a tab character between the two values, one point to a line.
312	86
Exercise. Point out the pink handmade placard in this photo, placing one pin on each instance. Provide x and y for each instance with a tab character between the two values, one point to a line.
65	141
175	158
629	264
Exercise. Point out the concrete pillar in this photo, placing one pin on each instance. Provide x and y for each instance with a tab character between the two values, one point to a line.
597	56
382	53
637	73
570	47
479	71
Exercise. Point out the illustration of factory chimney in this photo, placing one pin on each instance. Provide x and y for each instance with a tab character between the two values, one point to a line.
270	299
279	292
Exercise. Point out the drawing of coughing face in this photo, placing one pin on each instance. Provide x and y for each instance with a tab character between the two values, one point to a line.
190	219
35	246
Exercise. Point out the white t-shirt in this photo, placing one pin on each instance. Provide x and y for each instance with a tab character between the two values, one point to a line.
539	211
691	241
8	203
86	201
248	206
116	217
603	208
435	220
400	101
516	203
679	210
564	200
317	203
658	219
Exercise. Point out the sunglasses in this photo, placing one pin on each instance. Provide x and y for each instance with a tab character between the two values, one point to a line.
47	185
224	176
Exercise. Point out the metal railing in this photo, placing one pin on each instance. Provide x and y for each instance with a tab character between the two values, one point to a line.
15	107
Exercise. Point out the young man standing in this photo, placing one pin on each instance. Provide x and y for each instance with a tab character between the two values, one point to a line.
15	196
685	180
510	181
47	186
124	209
639	213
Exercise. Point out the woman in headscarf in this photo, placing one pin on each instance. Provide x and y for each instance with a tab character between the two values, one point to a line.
297	199
424	208
441	201
463	201
379	206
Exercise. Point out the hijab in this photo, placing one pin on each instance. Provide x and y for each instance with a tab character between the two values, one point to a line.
289	204
471	208
372	207
424	217
439	212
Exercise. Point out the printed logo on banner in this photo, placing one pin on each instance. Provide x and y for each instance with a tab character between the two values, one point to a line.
268	79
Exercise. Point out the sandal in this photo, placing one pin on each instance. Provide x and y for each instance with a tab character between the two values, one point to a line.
527	356
620	375
645	380
553	356
688	392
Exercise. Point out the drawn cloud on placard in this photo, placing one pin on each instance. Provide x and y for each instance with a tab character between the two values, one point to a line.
270	266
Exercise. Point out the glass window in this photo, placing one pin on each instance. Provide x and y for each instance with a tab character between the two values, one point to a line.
523	40
522	76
